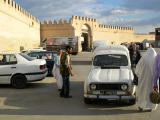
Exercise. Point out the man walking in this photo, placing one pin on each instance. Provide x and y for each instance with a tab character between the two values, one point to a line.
134	57
66	71
144	70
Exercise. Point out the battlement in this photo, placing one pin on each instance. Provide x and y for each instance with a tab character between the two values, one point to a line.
55	22
16	8
115	27
86	19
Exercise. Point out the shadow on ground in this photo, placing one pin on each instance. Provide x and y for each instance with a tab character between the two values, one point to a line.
81	62
43	99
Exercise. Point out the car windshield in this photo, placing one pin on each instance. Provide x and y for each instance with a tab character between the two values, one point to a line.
26	56
110	60
42	55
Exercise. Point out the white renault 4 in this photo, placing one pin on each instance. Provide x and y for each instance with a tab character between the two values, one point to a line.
17	69
111	76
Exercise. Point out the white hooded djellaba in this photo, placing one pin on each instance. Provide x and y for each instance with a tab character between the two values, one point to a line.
145	83
56	72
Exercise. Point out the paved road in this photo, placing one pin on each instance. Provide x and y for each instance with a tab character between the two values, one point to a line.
41	101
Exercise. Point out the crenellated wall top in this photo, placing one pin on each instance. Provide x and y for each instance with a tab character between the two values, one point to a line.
83	18
86	20
102	27
55	22
115	27
14	5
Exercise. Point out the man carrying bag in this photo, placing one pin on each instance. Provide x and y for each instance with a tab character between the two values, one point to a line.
66	71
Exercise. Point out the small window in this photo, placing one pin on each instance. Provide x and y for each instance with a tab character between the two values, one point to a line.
32	23
26	57
12	59
8	59
157	32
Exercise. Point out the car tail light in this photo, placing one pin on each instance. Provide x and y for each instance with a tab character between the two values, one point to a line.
42	67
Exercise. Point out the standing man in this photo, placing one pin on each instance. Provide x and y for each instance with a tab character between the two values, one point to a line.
134	57
66	71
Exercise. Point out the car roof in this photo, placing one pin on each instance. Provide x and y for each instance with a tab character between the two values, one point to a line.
3	53
111	48
43	52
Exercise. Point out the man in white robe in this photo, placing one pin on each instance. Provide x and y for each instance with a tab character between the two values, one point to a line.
145	83
56	70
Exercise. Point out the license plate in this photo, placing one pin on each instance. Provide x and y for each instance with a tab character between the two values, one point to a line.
96	92
121	93
108	92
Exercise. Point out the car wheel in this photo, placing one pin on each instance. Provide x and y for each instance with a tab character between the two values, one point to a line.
19	81
87	101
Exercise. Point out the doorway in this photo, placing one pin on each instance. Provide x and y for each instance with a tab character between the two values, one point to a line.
84	43
85	38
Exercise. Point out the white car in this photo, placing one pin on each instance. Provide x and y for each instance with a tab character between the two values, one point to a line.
99	43
111	76
32	50
17	69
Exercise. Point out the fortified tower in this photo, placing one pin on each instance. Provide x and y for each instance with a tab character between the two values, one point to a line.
19	29
87	30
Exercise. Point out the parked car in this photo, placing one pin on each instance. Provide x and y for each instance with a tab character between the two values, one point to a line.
46	55
18	69
32	50
99	43
111	76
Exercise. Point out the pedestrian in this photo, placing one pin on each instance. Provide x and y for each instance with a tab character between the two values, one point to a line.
66	71
156	73
144	70
151	45
56	69
134	57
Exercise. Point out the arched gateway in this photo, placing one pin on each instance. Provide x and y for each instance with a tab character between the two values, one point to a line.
87	30
86	40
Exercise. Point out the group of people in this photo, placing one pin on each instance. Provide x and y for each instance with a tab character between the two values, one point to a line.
62	70
146	70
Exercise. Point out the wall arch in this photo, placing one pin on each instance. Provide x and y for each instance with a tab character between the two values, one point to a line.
86	37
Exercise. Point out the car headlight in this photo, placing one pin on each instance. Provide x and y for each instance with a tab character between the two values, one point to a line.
124	87
93	86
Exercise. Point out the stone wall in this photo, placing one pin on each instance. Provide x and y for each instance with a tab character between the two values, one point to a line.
17	27
59	28
112	34
141	37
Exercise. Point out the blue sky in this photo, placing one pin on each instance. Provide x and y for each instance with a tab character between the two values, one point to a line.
143	15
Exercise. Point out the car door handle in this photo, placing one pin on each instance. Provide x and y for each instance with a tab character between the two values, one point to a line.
13	67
